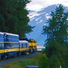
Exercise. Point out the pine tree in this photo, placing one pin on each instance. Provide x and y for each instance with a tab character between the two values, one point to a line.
23	20
57	35
13	17
57	29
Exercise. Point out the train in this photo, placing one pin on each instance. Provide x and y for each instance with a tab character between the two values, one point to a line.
12	46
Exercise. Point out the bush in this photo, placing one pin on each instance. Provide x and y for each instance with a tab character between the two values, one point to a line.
44	62
54	62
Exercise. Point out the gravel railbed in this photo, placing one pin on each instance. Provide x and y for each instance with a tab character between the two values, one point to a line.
7	61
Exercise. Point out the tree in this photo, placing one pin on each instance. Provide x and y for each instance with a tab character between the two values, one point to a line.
23	20
2	23
14	17
44	62
57	35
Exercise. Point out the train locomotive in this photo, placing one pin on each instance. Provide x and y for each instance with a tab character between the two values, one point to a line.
32	45
11	46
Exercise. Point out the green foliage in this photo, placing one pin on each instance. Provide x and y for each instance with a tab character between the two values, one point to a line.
57	46
57	29
13	17
54	62
44	61
2	23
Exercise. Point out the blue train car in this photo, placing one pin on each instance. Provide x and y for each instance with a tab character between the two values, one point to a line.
11	44
24	46
1	44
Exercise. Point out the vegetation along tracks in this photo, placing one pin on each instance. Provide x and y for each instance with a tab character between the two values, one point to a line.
7	61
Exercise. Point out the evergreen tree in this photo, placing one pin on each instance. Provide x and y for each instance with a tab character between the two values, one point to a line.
22	19
57	36
13	17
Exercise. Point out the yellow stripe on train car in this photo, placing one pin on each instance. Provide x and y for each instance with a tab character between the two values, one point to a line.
2	50
12	50
23	49
11	42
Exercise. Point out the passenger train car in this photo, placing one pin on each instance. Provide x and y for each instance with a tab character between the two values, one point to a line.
1	44
24	47
10	45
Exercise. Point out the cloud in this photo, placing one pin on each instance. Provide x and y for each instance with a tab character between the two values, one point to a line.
39	4
34	7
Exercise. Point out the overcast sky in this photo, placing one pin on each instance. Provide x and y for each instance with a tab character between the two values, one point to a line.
39	4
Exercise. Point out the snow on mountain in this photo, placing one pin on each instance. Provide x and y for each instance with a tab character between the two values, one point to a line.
39	19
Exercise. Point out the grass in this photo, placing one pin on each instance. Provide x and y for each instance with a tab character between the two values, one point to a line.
23	62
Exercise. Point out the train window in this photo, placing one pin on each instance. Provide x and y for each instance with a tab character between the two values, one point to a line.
24	45
12	46
1	45
27	45
8	46
15	46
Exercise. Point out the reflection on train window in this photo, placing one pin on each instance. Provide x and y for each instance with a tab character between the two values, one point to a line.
24	45
1	45
12	46
20	45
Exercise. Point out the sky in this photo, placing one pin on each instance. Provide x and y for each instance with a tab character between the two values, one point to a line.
36	5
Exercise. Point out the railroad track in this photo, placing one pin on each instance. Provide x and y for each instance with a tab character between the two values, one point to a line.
7	61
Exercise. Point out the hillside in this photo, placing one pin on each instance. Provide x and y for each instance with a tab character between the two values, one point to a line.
39	19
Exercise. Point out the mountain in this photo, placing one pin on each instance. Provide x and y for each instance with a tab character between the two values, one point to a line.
39	19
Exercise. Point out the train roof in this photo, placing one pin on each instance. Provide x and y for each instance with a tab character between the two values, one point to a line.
12	34
29	40
23	41
9	33
1	33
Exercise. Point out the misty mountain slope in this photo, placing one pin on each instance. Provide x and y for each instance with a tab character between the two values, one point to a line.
39	19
